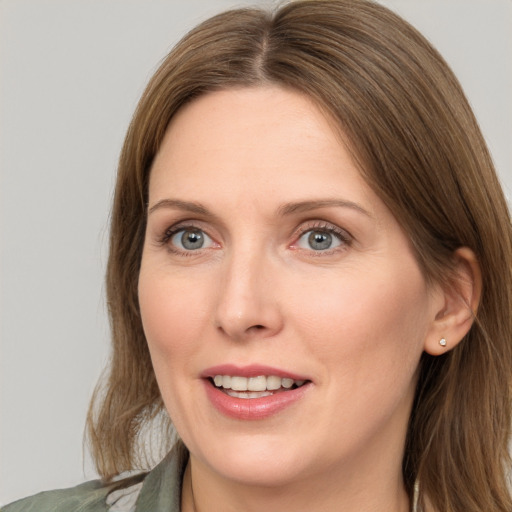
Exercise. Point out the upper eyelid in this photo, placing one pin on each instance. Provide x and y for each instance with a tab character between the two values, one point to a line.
322	225
303	226
171	230
181	213
186	223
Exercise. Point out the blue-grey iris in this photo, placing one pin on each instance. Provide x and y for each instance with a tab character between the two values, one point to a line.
192	239
319	241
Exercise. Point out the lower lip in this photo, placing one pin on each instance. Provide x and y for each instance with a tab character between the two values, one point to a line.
253	408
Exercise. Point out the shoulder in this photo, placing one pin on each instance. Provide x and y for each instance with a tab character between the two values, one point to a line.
88	497
160	489
92	496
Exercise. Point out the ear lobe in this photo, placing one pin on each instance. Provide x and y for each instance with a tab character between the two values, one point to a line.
460	304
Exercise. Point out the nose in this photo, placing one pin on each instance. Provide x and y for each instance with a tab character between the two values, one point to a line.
247	305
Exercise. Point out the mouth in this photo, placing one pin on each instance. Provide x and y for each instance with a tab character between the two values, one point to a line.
259	386
254	392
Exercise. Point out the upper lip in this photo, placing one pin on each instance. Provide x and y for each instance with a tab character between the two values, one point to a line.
253	370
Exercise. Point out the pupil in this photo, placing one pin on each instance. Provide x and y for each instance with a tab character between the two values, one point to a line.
192	240
319	241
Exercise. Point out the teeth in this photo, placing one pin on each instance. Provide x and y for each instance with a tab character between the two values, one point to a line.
250	394
254	384
273	382
239	384
257	383
287	383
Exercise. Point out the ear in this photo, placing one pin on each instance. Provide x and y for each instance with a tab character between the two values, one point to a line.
457	306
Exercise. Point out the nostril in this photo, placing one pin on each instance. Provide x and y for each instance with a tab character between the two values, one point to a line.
257	327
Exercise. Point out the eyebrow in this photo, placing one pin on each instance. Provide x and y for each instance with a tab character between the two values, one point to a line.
176	204
305	206
283	210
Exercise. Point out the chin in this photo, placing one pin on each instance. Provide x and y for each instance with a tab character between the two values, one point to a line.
254	460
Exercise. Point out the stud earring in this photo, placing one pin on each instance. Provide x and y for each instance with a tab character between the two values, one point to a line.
442	342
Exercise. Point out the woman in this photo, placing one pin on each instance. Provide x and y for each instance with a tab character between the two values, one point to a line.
309	273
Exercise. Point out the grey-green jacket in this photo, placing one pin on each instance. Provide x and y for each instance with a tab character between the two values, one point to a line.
156	491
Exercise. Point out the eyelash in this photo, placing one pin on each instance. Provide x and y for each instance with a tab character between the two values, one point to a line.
173	230
326	227
321	226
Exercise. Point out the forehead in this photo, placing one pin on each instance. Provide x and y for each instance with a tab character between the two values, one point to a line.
251	117
253	137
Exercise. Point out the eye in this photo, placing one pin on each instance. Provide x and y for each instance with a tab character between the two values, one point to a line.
318	240
321	239
190	239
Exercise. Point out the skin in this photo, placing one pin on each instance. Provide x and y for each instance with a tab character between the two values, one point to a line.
354	318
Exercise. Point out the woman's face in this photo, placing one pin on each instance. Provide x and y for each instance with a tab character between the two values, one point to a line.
268	263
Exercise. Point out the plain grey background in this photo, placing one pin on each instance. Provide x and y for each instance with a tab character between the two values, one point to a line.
71	74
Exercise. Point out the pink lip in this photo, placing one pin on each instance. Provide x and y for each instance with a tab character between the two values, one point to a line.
253	370
251	408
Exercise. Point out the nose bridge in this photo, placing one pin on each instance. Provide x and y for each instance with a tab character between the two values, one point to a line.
247	304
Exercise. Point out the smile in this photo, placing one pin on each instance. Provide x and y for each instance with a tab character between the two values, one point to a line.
254	387
253	392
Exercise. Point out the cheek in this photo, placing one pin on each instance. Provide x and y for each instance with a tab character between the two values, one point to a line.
171	313
368	323
368	334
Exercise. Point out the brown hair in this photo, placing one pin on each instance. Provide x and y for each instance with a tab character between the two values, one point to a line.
418	144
